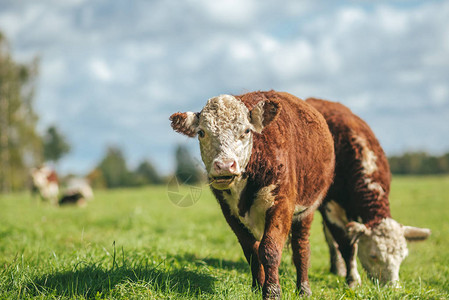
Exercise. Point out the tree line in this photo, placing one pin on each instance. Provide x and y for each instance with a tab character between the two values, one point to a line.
419	163
113	172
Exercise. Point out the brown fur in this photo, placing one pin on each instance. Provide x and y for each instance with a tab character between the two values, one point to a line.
294	152
52	177
177	122
350	189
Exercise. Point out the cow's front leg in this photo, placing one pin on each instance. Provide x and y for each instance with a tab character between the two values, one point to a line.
348	251
350	257
277	226
301	252
250	246
337	263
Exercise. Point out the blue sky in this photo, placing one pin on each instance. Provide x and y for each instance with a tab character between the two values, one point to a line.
112	71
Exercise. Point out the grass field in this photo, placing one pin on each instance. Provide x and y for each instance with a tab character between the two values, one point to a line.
135	243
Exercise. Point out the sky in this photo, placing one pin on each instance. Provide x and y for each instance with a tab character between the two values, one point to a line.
113	71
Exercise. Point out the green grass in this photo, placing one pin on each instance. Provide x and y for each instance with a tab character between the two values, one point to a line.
134	243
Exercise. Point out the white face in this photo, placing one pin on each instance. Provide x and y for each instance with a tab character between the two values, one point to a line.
382	251
225	129
225	136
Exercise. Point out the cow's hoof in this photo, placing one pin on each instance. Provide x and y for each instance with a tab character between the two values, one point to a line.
271	292
353	281
304	289
256	288
338	269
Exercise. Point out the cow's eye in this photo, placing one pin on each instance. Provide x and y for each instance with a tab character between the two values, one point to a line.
373	256
245	133
201	133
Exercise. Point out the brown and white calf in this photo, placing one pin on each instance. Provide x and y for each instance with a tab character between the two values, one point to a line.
356	210
269	157
45	182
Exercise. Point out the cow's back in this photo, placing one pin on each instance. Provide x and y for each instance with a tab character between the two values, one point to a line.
362	175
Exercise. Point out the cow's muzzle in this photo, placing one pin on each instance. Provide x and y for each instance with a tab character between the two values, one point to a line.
222	182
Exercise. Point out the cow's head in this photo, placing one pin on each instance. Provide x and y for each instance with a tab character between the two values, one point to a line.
382	249
225	129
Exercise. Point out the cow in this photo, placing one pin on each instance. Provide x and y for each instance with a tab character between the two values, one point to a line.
78	191
356	210
45	182
269	158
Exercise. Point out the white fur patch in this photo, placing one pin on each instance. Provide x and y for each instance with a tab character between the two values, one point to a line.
353	273
254	219
336	214
374	186
191	120
233	198
368	157
302	211
369	166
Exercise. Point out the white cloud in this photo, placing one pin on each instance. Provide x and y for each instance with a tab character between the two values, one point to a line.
128	66
394	21
294	59
229	11
100	70
349	18
440	94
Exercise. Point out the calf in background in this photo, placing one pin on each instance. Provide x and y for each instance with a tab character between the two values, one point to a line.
45	182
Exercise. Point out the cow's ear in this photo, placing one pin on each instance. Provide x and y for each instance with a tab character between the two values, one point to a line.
355	230
415	233
185	123
263	113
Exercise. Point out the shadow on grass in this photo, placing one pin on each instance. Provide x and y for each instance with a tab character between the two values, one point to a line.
171	277
91	280
217	263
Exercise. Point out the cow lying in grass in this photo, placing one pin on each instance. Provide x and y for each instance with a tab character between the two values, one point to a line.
78	192
269	157
356	210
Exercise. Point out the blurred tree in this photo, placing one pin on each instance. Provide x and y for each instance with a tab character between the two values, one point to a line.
146	173
419	163
20	145
55	145
187	170
114	170
443	163
96	179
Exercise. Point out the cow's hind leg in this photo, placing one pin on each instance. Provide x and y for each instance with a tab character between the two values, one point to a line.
301	252
337	263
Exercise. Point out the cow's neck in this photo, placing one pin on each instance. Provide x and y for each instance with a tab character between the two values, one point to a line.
232	196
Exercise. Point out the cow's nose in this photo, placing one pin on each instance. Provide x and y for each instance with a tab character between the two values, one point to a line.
226	166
